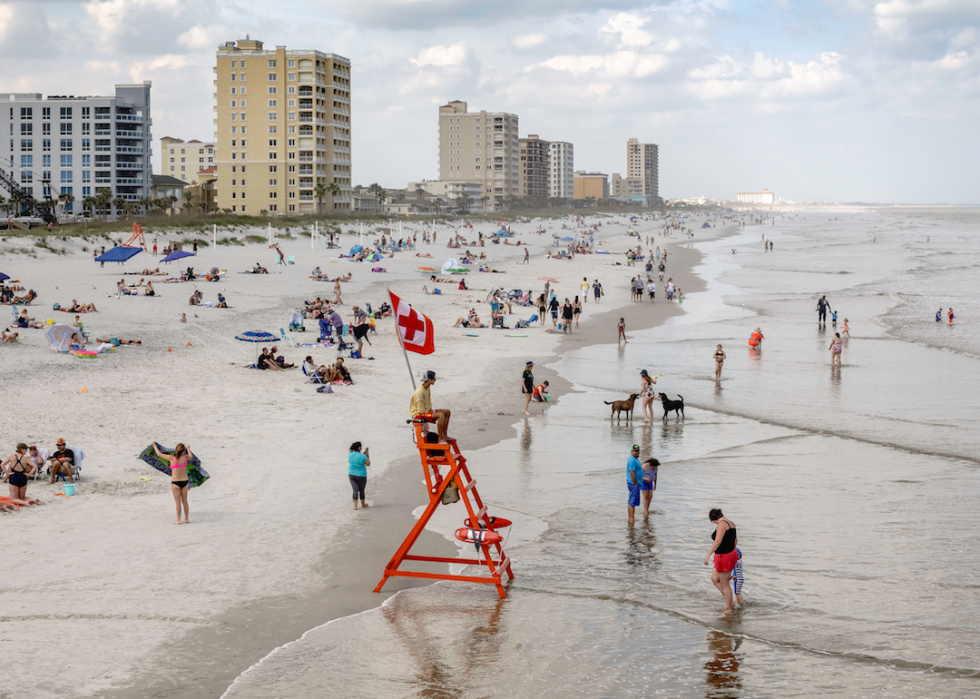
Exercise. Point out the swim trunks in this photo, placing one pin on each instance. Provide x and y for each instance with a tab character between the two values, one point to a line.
634	500
725	561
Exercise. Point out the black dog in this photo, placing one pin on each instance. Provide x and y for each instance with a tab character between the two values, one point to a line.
676	405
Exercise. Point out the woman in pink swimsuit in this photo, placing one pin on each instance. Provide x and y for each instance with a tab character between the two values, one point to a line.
178	477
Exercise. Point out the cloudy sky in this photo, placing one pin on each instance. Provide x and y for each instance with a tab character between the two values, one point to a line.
832	100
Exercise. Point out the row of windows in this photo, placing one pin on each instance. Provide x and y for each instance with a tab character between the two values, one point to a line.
65	112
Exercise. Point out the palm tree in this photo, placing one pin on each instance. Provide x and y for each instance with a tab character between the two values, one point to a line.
119	204
66	199
88	203
320	193
188	196
419	192
102	201
467	201
171	200
334	190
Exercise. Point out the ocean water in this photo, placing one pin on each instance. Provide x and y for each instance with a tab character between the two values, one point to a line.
854	492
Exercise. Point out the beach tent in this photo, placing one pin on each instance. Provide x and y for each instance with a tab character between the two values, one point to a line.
120	253
356	249
176	255
449	264
568	238
376	256
59	337
3	277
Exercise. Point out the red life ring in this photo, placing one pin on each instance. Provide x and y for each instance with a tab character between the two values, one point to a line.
495	523
478	536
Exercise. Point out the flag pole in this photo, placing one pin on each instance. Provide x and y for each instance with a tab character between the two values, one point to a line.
402	343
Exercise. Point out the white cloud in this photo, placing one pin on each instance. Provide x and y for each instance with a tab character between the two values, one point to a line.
441	56
628	26
195	38
769	79
139	69
619	64
529	41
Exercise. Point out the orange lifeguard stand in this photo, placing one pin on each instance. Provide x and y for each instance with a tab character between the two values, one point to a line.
136	237
433	456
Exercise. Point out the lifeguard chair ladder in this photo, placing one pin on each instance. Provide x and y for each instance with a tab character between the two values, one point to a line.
433	456
136	237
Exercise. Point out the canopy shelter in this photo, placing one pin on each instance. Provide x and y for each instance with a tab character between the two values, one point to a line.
176	255
356	249
3	277
258	337
120	253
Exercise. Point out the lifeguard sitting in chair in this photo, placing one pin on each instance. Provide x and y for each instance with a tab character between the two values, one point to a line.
421	408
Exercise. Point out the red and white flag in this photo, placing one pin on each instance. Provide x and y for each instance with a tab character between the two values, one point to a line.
414	328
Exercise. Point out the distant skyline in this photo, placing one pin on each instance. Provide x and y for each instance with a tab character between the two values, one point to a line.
829	100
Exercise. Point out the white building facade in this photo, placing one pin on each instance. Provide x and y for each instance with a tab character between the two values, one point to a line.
562	170
763	197
79	144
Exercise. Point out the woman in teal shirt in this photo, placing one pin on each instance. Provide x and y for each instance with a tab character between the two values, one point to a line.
357	464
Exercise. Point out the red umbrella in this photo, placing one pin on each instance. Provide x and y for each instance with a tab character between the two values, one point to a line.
550	280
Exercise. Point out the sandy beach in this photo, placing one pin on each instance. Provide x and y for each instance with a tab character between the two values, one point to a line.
105	587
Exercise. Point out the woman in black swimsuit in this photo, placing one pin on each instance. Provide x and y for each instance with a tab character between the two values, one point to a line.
16	468
726	539
719	361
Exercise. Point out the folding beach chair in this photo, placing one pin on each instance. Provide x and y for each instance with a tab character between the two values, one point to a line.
314	377
292	259
76	467
325	329
44	455
287	338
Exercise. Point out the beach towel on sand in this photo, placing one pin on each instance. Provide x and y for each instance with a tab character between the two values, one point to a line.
195	474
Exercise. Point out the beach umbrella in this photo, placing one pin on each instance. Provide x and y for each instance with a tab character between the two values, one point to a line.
120	253
449	264
258	337
356	249
457	270
376	256
550	280
3	277
176	255
430	270
59	337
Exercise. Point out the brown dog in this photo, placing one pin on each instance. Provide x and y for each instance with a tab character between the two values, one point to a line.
621	406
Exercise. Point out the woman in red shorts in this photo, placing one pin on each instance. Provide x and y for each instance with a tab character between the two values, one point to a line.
726	539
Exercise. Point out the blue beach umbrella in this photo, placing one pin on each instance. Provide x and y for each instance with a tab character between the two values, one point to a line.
3	277
176	255
257	337
120	253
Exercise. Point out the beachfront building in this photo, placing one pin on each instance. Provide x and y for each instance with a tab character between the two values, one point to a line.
480	147
535	170
643	170
462	195
184	159
617	186
562	169
283	130
590	185
79	145
763	197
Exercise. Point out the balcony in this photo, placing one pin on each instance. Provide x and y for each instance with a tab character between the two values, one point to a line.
306	170
103	180
306	197
305	120
106	149
306	158
129	180
129	134
125	149
128	117
306	92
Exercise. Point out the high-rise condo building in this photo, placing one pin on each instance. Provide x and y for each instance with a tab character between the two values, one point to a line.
79	145
591	185
643	169
535	167
480	147
562	169
184	159
291	133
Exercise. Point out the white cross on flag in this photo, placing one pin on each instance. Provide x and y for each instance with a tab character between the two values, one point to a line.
414	328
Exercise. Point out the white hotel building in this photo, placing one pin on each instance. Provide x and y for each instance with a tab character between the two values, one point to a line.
763	197
79	144
562	169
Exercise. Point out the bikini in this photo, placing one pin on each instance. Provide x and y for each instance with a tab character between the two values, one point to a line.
173	467
719	356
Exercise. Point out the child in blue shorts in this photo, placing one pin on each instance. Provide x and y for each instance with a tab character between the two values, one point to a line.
738	579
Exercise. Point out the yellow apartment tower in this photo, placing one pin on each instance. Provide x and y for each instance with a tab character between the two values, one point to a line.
282	128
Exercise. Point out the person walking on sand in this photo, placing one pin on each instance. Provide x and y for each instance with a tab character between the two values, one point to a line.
357	466
336	292
567	314
585	289
647	393
951	316
634	476
846	330
836	345
527	385
648	484
17	468
577	310
596	290
939	315
719	361
823	305
420	408
178	477
726	539
553	307
621	325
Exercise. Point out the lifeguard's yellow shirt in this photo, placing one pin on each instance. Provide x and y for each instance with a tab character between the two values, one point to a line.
421	401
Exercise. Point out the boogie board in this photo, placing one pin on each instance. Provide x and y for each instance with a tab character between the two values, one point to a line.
195	474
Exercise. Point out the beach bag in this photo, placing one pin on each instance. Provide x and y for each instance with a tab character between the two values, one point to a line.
324	389
56	307
450	494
